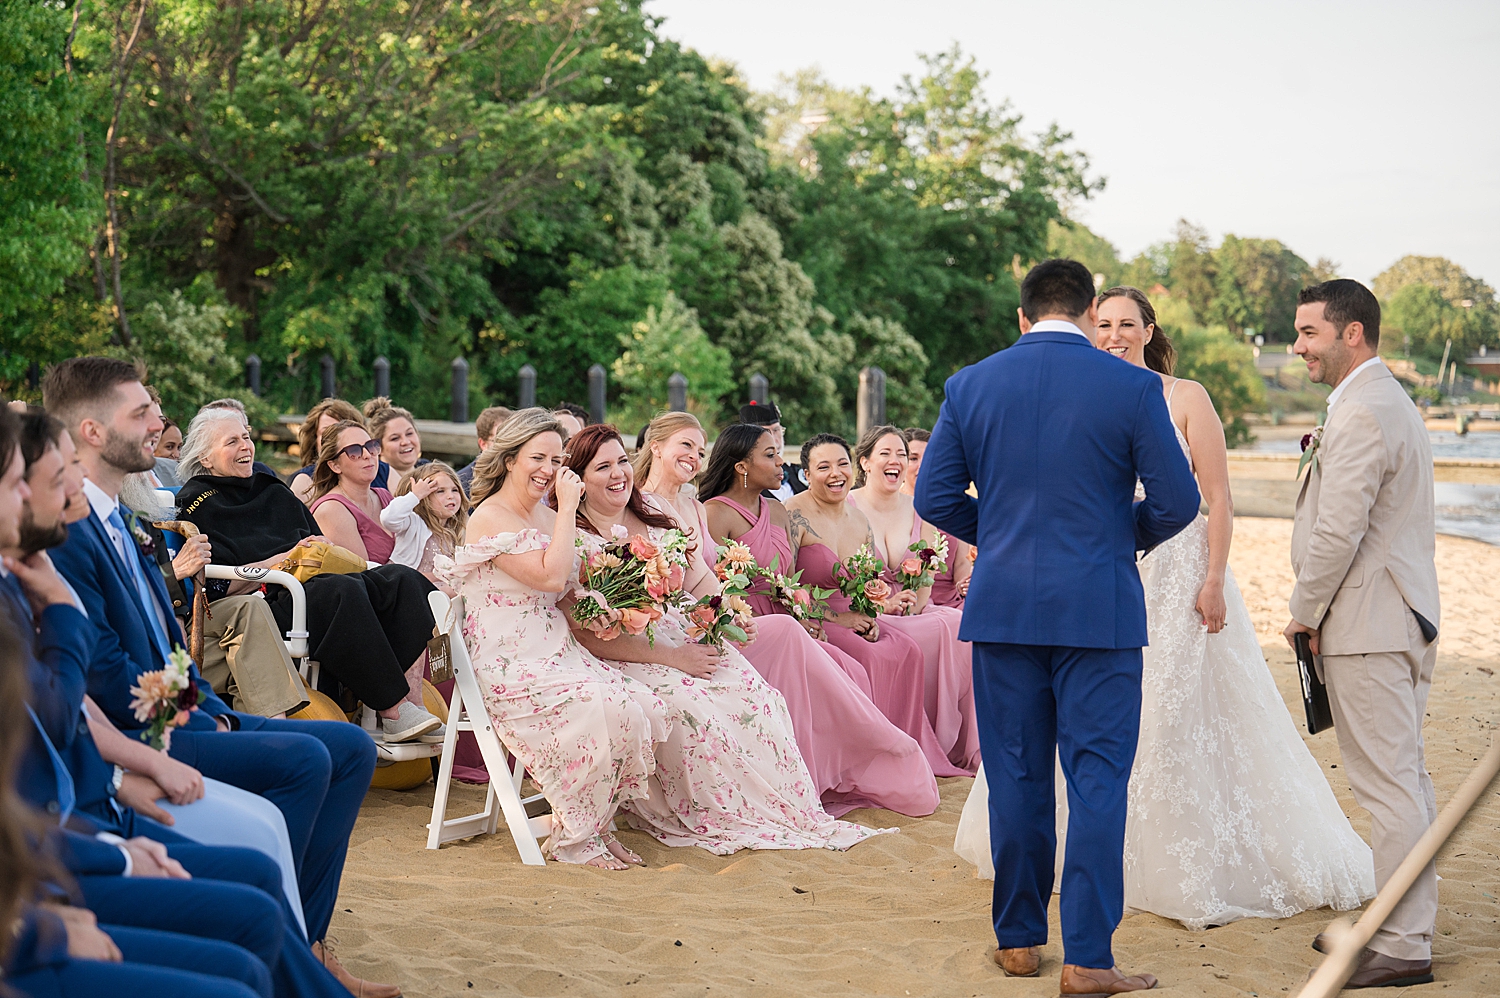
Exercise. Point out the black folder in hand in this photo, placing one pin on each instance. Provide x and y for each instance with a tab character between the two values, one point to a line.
1314	693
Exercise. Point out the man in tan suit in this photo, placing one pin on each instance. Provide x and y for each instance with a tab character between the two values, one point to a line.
1367	593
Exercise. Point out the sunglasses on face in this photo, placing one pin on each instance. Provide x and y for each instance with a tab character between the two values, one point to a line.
353	451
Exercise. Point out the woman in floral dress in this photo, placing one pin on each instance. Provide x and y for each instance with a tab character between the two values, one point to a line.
584	732
730	775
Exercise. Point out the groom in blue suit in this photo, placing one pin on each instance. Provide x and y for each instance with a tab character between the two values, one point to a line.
1054	433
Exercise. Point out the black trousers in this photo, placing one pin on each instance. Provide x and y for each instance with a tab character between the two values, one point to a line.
366	629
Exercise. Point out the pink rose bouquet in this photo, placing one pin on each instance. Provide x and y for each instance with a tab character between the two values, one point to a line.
626	583
166	699
802	602
922	563
726	614
859	579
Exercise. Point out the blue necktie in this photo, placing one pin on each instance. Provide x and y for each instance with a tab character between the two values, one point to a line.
66	795
148	598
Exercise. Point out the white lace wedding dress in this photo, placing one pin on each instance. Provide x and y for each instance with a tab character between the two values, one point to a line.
1230	816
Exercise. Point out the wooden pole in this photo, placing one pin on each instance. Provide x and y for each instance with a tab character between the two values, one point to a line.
1335	970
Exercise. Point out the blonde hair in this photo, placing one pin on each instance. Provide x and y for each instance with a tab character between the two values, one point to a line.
450	531
491	468
307	433
324	478
380	411
658	431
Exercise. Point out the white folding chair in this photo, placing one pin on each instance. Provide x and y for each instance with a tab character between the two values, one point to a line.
467	713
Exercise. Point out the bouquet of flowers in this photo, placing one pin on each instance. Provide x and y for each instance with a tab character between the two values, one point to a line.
165	698
859	579
726	614
802	602
625	584
922	563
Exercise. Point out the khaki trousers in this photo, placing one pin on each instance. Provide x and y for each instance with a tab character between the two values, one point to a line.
245	660
1379	702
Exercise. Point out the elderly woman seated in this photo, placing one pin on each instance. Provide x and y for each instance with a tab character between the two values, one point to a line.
366	627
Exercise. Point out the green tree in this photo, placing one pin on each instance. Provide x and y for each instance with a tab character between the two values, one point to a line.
1428	301
1075	241
1225	366
669	340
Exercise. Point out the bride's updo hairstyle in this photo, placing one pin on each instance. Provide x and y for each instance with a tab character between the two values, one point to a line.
1161	355
866	447
657	431
734	445
510	436
582	449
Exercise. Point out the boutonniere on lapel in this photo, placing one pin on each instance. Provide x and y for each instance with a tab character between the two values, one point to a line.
143	538
1310	442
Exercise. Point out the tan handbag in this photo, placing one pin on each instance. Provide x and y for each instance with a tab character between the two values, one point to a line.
322	558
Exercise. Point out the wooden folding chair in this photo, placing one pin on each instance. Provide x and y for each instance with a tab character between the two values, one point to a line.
467	713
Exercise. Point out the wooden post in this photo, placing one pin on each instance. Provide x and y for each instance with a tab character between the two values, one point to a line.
526	386
382	377
458	409
677	386
329	390
760	389
252	374
597	388
871	403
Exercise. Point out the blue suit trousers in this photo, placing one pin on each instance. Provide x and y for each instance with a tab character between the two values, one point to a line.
201	956
1084	704
316	772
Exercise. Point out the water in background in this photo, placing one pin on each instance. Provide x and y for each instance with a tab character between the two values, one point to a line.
1462	510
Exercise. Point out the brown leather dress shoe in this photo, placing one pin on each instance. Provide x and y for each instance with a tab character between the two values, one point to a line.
1023	962
355	986
1376	970
1090	982
1321	943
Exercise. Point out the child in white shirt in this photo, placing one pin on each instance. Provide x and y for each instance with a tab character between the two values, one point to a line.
428	516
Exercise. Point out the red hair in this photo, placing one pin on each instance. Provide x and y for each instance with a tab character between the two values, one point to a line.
582	448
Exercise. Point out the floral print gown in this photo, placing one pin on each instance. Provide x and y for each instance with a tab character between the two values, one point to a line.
583	730
730	775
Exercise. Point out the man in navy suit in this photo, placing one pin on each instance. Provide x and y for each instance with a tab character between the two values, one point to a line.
316	772
1054	433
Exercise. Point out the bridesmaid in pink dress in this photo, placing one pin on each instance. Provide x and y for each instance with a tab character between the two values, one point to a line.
895	526
825	529
949	588
855	756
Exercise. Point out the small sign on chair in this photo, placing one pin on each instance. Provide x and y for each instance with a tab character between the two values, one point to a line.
440	659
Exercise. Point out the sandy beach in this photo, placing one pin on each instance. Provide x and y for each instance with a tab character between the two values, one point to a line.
899	914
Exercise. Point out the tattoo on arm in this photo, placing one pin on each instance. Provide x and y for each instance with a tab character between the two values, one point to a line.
799	526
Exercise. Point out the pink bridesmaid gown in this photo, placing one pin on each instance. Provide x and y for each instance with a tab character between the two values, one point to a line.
948	673
856	757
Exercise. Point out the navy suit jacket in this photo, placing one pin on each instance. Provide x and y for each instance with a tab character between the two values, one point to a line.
123	646
1053	433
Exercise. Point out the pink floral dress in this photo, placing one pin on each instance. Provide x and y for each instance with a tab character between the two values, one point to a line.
730	775
584	732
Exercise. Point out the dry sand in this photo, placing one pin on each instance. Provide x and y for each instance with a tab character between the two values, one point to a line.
899	914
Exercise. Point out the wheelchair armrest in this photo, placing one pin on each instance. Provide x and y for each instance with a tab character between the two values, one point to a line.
296	644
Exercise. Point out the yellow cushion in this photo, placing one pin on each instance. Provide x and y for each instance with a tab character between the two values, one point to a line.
398	775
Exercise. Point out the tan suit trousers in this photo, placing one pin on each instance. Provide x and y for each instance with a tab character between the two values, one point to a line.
245	660
1379	702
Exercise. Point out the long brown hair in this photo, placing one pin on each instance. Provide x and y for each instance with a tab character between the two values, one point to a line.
380	411
582	449
307	433
325	479
450	531
1161	355
866	447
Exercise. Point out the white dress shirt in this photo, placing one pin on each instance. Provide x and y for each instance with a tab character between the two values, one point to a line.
104	505
1059	326
1334	395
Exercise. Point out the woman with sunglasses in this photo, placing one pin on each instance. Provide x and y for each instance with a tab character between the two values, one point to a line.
366	628
345	502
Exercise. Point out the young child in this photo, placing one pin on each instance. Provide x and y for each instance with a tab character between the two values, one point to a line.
428	516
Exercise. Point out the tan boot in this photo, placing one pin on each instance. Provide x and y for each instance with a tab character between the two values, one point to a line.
1025	961
357	987
1090	982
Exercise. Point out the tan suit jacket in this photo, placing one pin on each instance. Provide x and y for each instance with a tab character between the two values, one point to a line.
1363	543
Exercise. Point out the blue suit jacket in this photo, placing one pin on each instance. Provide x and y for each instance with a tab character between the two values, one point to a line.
123	646
1054	433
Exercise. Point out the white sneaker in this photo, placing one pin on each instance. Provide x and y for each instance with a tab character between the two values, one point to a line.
435	736
411	722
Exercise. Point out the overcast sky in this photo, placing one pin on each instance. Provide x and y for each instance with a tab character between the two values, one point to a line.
1356	131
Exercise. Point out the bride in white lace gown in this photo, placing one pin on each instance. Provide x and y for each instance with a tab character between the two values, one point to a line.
1230	816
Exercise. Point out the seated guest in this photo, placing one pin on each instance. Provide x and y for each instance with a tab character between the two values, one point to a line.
65	776
235	405
316	773
169	445
484	429
949	588
366	628
572	417
769	416
345	503
163	474
244	656
319	418
428	516
400	443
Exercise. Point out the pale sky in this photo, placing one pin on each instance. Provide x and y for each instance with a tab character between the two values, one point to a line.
1356	131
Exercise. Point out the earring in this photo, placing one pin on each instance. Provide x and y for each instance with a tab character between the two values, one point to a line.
744	479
